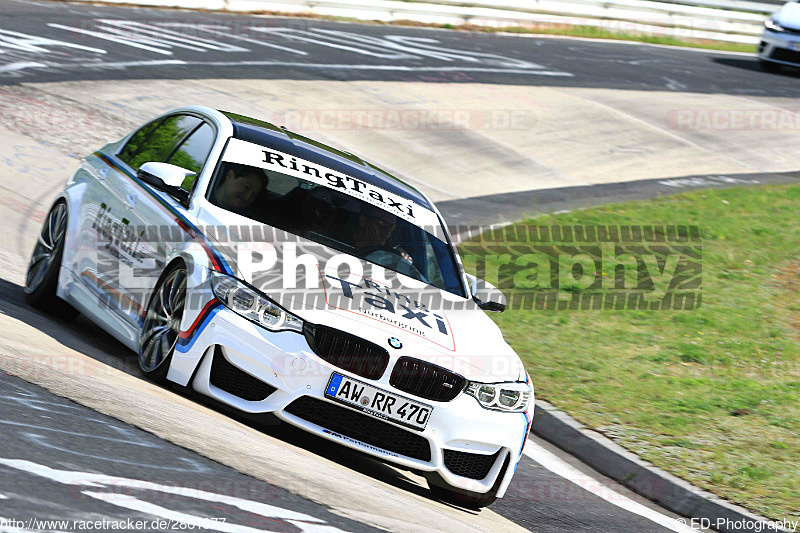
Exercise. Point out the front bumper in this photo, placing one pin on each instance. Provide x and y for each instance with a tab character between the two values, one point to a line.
780	47
464	439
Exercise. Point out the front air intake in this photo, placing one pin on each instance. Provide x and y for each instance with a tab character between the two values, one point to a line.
227	377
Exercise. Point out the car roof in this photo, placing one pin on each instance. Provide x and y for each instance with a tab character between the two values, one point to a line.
279	138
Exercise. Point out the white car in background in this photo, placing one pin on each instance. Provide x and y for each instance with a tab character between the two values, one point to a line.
180	240
780	40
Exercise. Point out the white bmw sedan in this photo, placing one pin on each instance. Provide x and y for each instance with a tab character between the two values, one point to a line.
289	279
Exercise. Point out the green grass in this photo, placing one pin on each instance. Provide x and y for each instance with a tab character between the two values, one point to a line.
593	32
713	394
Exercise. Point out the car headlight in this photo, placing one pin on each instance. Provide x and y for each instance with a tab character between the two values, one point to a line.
771	25
510	397
252	305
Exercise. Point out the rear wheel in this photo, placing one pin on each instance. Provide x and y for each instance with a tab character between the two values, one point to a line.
162	324
41	280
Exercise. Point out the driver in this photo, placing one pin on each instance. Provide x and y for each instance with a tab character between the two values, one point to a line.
375	227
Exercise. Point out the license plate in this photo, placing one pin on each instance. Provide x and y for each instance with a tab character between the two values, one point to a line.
378	402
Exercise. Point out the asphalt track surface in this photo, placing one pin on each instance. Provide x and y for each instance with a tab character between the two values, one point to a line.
44	429
47	42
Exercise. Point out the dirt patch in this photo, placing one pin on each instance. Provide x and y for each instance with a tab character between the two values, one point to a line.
789	278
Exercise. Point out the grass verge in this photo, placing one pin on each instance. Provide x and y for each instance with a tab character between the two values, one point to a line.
712	394
591	32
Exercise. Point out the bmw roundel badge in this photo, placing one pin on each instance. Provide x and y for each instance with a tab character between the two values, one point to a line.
394	342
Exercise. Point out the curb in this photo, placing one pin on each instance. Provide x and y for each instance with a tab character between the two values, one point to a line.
617	463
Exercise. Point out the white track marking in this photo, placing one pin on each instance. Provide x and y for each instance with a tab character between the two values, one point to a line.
168	37
126	64
331	42
22	65
33	43
398	68
217	30
135	504
39	4
112	38
430	48
559	467
118	497
421	46
390	68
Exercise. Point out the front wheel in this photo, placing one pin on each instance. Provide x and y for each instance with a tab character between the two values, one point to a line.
769	66
162	324
41	280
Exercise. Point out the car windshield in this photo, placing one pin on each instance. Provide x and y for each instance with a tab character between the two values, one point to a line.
341	221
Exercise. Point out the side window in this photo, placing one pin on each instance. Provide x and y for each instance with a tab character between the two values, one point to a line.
193	152
159	145
128	151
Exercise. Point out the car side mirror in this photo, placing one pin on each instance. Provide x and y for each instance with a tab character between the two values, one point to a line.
487	296
167	178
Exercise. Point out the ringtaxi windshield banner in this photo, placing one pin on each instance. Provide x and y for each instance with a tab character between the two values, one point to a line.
255	155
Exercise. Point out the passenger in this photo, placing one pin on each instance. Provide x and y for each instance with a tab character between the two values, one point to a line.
240	187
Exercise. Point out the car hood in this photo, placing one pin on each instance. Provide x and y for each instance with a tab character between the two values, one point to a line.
788	15
464	340
429	323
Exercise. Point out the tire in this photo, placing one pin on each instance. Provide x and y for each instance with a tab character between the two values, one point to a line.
465	498
41	279
162	322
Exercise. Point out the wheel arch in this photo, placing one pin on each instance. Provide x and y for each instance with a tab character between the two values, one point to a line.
70	197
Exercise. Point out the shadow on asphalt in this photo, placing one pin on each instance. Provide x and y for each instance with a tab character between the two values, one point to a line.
85	337
754	66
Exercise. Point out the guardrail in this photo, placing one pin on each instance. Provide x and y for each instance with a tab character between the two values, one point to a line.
716	20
